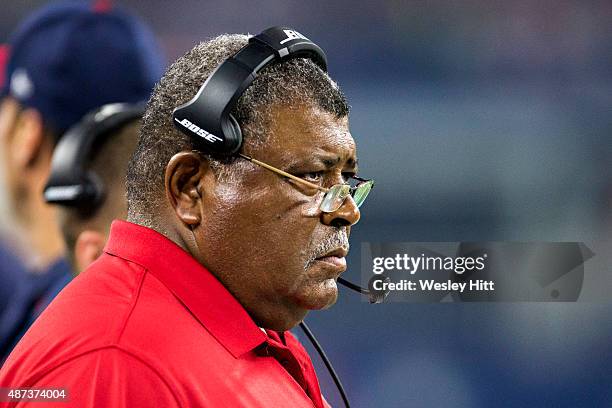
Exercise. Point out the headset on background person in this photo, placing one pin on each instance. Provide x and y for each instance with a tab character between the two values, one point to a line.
69	183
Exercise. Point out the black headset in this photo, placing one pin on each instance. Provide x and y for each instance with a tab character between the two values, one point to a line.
207	116
70	184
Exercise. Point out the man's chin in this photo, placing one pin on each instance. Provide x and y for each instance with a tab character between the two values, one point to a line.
321	296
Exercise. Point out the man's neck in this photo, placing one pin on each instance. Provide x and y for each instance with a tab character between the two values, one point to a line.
161	227
40	240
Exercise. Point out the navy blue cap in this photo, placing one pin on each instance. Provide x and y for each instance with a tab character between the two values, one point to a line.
69	58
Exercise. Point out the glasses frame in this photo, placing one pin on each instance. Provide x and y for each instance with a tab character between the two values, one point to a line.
309	184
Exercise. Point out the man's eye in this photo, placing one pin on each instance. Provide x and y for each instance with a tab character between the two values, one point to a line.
312	176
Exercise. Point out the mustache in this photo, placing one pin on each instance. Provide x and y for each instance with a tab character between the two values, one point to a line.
334	241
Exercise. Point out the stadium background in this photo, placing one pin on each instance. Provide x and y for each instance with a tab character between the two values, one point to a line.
479	120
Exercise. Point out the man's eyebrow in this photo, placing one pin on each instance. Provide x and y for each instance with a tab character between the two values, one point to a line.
331	162
327	161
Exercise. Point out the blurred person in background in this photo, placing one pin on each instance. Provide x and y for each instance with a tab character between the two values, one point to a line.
62	61
94	156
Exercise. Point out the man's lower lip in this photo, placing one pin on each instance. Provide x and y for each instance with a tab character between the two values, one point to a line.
335	261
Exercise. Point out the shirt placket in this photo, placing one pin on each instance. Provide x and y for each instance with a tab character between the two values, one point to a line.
285	357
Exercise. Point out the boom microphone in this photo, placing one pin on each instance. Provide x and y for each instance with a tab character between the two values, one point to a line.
374	296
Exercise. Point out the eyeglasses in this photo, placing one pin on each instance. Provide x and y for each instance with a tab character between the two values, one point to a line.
334	196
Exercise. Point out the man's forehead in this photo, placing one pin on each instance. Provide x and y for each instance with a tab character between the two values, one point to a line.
307	130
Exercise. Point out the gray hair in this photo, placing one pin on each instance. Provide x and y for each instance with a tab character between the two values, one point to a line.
288	83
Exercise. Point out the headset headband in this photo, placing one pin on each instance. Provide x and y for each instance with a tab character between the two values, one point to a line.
70	184
207	116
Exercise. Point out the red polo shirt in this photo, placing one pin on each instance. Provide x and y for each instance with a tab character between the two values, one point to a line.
147	325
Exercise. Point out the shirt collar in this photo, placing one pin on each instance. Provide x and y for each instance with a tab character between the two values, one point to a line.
199	290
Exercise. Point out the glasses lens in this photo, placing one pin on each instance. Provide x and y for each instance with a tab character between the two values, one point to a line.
335	197
361	192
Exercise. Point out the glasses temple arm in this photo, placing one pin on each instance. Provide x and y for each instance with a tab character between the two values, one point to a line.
283	173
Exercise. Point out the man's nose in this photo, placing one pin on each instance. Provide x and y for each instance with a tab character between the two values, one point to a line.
346	215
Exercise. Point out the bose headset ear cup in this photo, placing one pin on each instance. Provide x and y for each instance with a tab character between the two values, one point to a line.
236	132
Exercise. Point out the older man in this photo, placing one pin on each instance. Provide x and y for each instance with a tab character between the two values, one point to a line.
227	247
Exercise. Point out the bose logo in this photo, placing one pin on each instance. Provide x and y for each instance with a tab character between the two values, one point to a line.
293	35
199	131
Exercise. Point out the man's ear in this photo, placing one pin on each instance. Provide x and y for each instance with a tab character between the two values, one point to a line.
89	246
183	182
28	138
